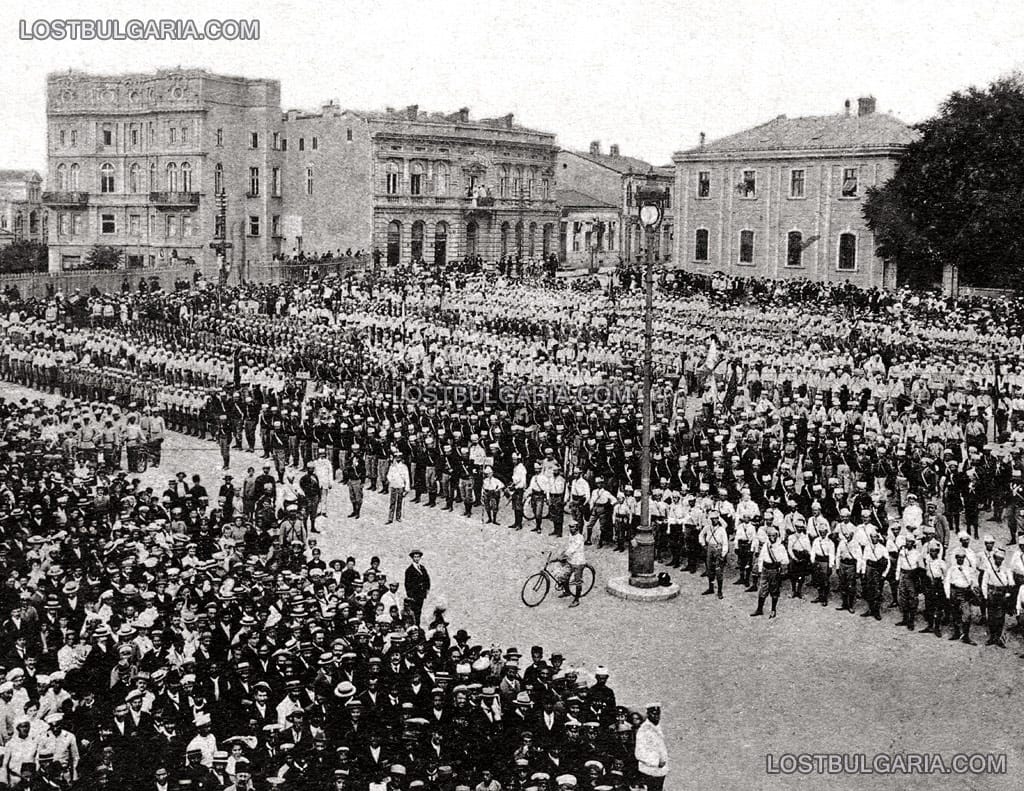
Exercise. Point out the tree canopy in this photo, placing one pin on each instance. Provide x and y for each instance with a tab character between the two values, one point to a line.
957	195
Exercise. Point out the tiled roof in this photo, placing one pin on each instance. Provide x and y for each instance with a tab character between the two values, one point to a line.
569	199
619	164
874	130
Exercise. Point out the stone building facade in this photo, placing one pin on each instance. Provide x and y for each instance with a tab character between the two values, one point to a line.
135	162
21	209
785	199
614	178
418	185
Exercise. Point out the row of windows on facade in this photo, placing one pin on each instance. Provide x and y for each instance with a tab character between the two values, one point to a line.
174	226
747	188
599	239
18	222
176	179
511	182
796	244
183	135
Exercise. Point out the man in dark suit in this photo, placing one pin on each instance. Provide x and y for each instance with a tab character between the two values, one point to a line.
417	584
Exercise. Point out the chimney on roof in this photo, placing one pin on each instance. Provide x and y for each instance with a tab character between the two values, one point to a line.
702	140
595	148
613	149
464	115
507	120
389	110
865	105
846	106
412	112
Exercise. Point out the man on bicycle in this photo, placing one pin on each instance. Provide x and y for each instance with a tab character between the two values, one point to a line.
573	553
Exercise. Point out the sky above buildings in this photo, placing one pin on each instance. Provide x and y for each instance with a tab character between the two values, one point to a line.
649	76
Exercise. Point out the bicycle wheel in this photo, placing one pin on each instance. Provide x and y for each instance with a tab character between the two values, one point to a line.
589	575
535	589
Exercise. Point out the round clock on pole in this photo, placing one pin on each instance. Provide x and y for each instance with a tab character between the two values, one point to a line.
650	214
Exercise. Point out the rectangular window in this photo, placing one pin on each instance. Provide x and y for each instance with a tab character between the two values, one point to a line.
254	182
135	138
275	182
748	187
302	144
849	182
254	225
392	184
847	252
796	183
108	137
173	134
62	137
254	140
315	143
668	197
284	143
184	135
746	247
416	184
348	135
309	181
74	138
220	137
171	226
134	224
700	252
187	226
276	144
795	249
107	224
63	226
704	184
275	225
76	224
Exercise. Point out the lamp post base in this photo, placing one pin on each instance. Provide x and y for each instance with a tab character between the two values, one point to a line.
621	588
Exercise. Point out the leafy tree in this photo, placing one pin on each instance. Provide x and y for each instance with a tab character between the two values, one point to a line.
104	256
957	195
23	255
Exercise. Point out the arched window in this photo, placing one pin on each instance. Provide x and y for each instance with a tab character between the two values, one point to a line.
416	245
530	182
153	184
794	248
519	238
700	247
503	181
186	177
74	173
392	178
533	240
106	177
517	181
218	178
172	177
62	177
504	239
546	239
135	178
442	178
847	252
416	178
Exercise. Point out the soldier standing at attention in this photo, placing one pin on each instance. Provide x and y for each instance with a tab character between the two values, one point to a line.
352	476
771	564
715	540
873	566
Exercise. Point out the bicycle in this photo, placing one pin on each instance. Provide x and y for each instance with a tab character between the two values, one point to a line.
537	585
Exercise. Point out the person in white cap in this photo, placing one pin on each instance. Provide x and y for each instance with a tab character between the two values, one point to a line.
650	752
204	741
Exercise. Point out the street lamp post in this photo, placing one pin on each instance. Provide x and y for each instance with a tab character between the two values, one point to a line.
642	582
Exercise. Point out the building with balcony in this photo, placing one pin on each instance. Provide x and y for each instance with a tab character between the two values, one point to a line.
21	209
134	161
417	185
784	199
611	178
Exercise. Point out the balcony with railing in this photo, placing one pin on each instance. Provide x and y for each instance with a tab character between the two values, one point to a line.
175	199
63	198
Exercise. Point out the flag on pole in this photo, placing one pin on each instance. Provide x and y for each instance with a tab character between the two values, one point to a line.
730	390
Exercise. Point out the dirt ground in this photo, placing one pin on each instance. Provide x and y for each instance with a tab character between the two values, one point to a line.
734	689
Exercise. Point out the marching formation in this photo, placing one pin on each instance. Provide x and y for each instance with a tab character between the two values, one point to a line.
806	436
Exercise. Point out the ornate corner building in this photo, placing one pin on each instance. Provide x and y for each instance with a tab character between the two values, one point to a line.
418	185
134	162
